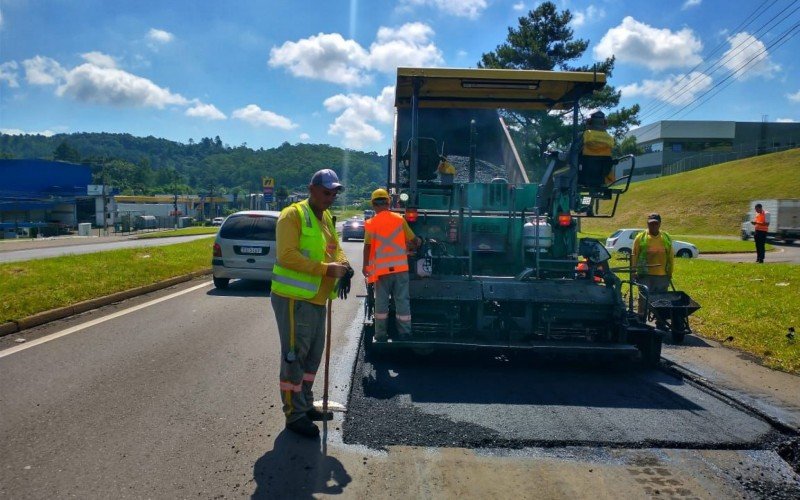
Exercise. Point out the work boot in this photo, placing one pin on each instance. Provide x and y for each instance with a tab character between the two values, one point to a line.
304	427
318	416
381	338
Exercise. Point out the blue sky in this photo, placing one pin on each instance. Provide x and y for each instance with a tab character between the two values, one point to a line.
322	71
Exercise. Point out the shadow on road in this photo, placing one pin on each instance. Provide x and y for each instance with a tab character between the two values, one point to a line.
522	379
243	288
296	468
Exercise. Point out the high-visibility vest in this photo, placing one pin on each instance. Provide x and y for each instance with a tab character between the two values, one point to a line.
597	143
295	284
387	253
641	260
761	222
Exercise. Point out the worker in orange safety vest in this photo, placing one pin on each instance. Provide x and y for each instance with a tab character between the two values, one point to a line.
760	226
387	239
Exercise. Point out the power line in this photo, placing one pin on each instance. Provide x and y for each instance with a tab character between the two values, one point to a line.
733	52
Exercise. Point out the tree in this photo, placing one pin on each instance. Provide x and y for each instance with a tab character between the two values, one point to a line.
544	41
65	152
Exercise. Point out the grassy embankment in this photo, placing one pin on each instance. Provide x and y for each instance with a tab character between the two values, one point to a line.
708	201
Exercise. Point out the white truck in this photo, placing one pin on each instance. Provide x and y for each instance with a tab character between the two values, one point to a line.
784	219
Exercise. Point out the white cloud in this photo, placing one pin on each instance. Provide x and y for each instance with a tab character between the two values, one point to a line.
8	73
254	115
16	131
748	57
304	137
329	57
592	13
518	6
43	71
688	4
99	59
658	49
471	9
667	90
160	36
356	113
408	45
326	57
786	120
207	111
794	97
98	85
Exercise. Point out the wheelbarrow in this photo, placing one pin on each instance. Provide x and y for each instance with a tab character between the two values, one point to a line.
671	311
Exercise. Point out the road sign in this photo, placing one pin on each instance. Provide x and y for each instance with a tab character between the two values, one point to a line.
269	188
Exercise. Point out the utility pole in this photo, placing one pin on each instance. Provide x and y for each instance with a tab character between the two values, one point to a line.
105	208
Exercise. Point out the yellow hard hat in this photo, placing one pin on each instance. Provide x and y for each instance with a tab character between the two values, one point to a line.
379	193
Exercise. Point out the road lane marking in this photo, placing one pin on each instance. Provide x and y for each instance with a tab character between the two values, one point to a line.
88	324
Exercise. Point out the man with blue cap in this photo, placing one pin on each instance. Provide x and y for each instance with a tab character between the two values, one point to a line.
308	266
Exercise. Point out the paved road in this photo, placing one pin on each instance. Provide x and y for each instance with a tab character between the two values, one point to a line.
71	247
783	253
178	398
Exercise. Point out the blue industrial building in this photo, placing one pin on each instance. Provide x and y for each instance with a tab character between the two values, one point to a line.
50	196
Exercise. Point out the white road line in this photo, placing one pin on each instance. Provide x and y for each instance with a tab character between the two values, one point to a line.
77	328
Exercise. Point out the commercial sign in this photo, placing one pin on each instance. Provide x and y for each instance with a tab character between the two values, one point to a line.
94	190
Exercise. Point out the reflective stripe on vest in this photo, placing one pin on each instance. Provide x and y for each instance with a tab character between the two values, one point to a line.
388	246
295	284
641	261
597	143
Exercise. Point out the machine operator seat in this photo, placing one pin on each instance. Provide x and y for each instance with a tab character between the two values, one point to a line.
428	158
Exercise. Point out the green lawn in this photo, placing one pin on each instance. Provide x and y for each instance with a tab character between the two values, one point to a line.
39	285
186	231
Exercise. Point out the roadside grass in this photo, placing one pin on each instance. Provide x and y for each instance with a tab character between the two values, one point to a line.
39	285
753	303
710	200
186	231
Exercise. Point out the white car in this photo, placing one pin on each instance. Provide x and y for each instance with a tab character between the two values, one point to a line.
622	241
245	247
217	221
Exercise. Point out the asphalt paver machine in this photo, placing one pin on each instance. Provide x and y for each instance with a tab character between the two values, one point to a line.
501	265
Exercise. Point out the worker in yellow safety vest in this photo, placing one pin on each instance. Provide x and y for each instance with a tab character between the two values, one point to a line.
446	170
310	264
387	239
596	150
652	259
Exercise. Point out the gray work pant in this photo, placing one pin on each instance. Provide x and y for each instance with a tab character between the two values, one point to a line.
306	323
396	286
655	284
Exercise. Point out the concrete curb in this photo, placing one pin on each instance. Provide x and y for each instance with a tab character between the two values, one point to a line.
87	305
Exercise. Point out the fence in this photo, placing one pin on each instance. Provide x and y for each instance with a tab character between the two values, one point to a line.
705	159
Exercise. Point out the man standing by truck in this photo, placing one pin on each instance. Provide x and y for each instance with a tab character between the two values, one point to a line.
761	226
387	237
652	259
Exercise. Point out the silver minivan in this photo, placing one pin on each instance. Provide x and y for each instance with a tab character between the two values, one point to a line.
245	247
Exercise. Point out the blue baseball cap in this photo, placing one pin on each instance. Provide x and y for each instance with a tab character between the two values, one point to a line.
326	178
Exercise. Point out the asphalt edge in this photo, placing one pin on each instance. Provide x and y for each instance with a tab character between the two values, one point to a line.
708	386
43	317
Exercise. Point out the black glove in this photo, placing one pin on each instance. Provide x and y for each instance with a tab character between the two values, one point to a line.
343	285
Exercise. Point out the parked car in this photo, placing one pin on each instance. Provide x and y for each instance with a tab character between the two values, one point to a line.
245	247
353	228
217	221
622	241
369	214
